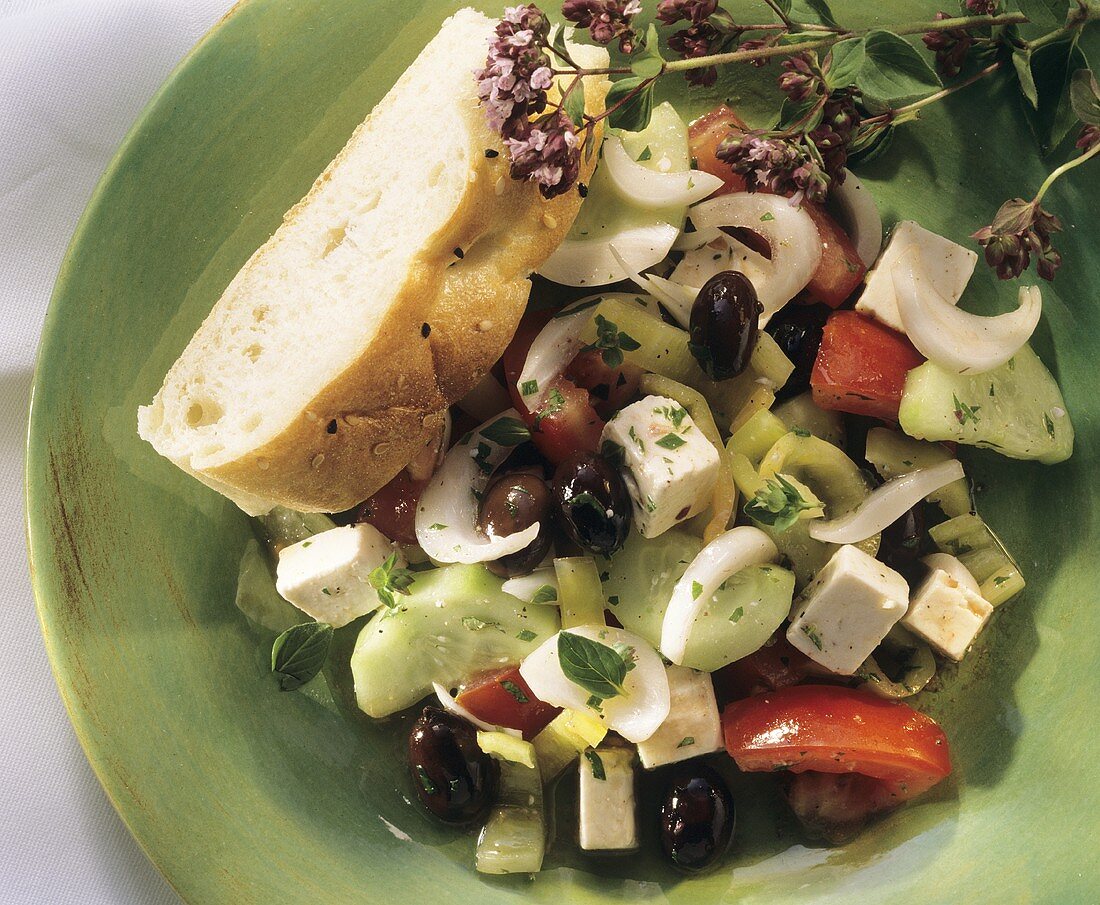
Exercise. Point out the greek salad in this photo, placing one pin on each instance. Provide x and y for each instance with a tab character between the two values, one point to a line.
708	509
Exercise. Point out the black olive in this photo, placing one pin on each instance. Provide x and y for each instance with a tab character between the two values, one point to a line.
725	324
514	502
697	818
797	330
593	502
903	543
454	778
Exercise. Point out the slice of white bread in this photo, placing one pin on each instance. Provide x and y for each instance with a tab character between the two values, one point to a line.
384	296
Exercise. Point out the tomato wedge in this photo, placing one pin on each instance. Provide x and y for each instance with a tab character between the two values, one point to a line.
841	269
777	664
704	136
504	699
565	421
861	366
392	510
609	389
832	729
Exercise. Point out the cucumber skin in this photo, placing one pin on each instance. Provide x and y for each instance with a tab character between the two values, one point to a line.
399	654
1016	407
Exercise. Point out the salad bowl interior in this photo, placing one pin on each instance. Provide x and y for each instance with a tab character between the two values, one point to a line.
241	793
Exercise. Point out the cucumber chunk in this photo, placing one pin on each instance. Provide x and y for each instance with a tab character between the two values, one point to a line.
455	622
513	841
736	621
1016	409
969	539
801	412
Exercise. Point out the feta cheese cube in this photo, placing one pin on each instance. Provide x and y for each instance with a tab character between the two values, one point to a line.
947	265
843	614
671	467
948	611
693	726
327	576
606	808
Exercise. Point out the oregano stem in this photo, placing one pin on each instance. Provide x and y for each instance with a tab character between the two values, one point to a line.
933	98
1062	170
763	53
783	17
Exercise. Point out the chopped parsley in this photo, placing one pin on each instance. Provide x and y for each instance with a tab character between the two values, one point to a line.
596	764
964	412
473	624
696	590
547	593
555	402
527	635
529	387
686	741
671	441
736	615
425	782
1049	425
673	413
777	504
612	342
814	634
515	691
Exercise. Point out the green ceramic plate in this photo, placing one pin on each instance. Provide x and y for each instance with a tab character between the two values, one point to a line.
242	794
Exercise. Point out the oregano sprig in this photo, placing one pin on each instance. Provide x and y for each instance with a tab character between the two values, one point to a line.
848	88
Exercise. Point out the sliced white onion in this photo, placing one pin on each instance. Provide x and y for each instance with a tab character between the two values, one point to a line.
525	587
954	339
589	262
635	715
953	566
446	517
724	556
696	239
637	184
448	703
676	298
858	214
556	345
720	254
886	504
789	231
486	399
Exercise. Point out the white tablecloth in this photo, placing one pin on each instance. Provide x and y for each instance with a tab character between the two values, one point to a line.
73	76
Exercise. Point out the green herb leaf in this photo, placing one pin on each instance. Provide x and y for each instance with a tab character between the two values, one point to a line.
647	62
674	413
671	441
686	741
545	594
736	615
596	764
696	590
387	579
778	504
529	387
559	49
597	668
299	653
506	431
555	402
1084	95
574	105
526	635
437	526
1044	12
611	341
813	633
1049	425
1052	118
515	691
813	12
646	154
893	72
633	114
1021	62
847	62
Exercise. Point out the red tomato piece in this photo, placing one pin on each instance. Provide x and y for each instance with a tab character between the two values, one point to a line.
836	806
704	136
392	510
832	729
777	664
504	699
565	420
609	389
841	269
861	366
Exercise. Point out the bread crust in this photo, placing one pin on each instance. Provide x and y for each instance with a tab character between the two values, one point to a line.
366	424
